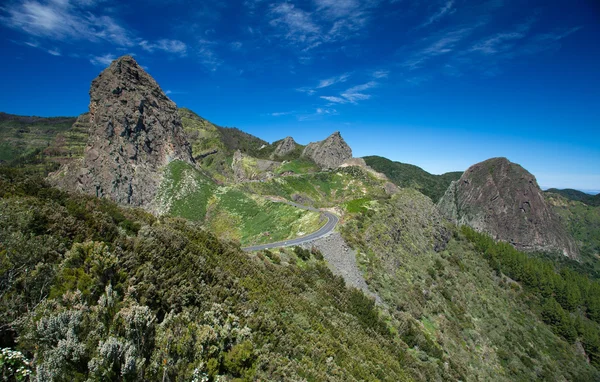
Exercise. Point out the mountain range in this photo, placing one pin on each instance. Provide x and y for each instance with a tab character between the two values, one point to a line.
121	255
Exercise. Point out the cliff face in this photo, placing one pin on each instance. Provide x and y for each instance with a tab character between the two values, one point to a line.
134	132
329	153
504	200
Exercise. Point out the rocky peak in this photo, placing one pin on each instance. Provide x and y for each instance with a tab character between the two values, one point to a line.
134	132
504	200
329	153
285	146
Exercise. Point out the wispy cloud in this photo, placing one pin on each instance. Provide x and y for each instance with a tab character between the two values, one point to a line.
334	99
207	55
332	81
353	95
282	113
64	20
54	52
165	45
319	113
104	60
446	9
437	45
319	22
381	74
298	24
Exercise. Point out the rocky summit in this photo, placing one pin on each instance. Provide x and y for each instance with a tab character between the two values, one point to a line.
285	147
504	200
135	131
329	153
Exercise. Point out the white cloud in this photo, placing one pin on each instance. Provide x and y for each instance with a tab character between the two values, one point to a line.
381	74
437	45
332	81
334	99
64	20
297	23
165	45
446	9
54	52
236	45
103	60
208	57
282	113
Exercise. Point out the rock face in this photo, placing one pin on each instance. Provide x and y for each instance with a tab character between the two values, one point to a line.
286	146
504	200
329	153
134	132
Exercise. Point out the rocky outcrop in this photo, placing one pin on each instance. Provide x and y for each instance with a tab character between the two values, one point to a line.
286	146
504	200
329	153
246	168
134	132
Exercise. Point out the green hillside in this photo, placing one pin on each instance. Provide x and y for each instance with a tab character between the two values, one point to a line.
22	135
228	211
461	319
92	291
410	176
323	189
583	223
590	200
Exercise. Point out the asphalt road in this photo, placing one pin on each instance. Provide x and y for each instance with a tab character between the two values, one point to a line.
332	221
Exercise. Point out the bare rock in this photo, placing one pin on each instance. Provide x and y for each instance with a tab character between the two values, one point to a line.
504	200
330	153
134	132
285	147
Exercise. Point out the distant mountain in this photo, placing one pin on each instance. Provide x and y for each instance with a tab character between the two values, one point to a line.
503	199
410	176
20	135
576	195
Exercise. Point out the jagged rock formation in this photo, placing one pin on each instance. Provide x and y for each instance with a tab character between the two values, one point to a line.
504	200
285	147
134	132
329	153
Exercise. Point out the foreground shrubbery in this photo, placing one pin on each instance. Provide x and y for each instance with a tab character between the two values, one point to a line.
89	290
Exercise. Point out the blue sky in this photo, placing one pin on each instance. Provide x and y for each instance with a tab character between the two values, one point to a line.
440	84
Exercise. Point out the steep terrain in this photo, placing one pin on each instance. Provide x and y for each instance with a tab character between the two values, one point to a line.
583	223
329	153
135	131
504	200
460	318
410	176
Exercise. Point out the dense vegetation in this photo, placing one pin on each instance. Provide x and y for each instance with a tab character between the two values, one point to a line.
410	176
23	135
570	302
583	223
90	290
575	195
462	319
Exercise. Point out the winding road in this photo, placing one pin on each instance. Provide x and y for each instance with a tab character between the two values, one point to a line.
332	221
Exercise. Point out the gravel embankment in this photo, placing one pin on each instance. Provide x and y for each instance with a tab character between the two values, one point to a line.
341	259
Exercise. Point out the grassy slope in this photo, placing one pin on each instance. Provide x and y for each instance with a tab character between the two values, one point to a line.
454	309
22	135
232	213
251	220
410	176
583	222
328	189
